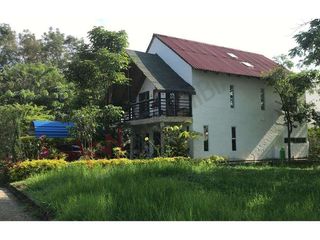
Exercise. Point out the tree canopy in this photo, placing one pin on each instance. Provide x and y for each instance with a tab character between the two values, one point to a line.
99	65
35	83
291	88
308	44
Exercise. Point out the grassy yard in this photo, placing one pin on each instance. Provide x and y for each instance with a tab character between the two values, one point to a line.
178	191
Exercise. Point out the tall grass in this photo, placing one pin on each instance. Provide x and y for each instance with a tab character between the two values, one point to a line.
178	191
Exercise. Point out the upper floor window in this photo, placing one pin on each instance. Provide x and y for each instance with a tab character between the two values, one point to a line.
231	91
262	99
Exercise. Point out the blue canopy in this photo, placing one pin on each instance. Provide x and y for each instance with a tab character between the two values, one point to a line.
52	129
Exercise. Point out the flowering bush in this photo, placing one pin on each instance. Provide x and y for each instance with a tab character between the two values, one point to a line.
25	169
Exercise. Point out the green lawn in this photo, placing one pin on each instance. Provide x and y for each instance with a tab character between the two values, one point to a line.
178	191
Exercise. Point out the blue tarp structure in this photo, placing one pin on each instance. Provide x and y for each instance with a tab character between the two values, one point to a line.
52	129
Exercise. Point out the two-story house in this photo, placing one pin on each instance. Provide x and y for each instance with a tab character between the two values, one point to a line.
218	90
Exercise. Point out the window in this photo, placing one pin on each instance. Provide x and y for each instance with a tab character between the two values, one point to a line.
231	96
248	64
262	99
232	55
296	140
233	139
206	138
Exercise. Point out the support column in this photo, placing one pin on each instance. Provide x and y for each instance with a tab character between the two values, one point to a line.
151	140
161	138
131	145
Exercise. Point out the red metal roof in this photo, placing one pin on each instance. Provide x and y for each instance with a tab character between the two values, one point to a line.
213	58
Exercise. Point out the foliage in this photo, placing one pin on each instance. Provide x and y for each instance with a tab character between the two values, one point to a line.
8	46
22	170
291	88
176	140
119	153
15	122
5	166
308	44
58	49
37	84
54	48
109	116
29	48
314	140
35	148
98	66
86	126
177	191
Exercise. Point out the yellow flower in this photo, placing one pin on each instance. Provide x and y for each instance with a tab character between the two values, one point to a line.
146	139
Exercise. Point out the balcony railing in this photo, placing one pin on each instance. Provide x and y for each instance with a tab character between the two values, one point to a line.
159	107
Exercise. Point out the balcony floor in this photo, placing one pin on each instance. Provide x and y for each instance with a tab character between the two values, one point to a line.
164	119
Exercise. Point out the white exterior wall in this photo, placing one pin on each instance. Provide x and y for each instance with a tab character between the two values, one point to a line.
147	86
258	136
182	68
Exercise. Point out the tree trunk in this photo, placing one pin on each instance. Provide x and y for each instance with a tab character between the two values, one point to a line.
289	128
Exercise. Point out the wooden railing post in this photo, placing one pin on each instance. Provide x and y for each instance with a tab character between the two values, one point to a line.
190	105
159	104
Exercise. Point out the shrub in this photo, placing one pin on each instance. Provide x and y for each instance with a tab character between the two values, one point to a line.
314	140
119	153
125	161
5	166
25	169
31	147
177	140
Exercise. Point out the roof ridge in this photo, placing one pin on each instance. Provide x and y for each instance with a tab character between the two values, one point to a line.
208	44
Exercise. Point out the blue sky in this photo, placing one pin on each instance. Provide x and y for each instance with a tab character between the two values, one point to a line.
265	27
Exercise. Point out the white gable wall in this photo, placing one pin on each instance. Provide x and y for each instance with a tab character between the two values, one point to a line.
258	136
182	68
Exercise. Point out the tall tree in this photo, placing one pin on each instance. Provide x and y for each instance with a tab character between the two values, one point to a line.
308	44
99	65
29	47
58	49
291	88
8	46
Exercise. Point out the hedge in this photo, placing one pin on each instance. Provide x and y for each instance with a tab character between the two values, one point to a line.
23	170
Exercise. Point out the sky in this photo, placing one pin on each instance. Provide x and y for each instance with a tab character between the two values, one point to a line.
265	27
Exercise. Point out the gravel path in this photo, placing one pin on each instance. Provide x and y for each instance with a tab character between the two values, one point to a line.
11	209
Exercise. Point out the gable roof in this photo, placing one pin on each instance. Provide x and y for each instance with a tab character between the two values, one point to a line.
158	72
214	58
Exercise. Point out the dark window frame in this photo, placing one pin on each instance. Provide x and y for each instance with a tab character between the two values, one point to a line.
234	138
231	93
262	99
296	140
206	138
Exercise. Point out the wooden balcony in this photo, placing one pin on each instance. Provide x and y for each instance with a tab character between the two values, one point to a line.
167	107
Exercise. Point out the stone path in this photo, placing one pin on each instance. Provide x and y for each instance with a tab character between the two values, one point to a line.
11	209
